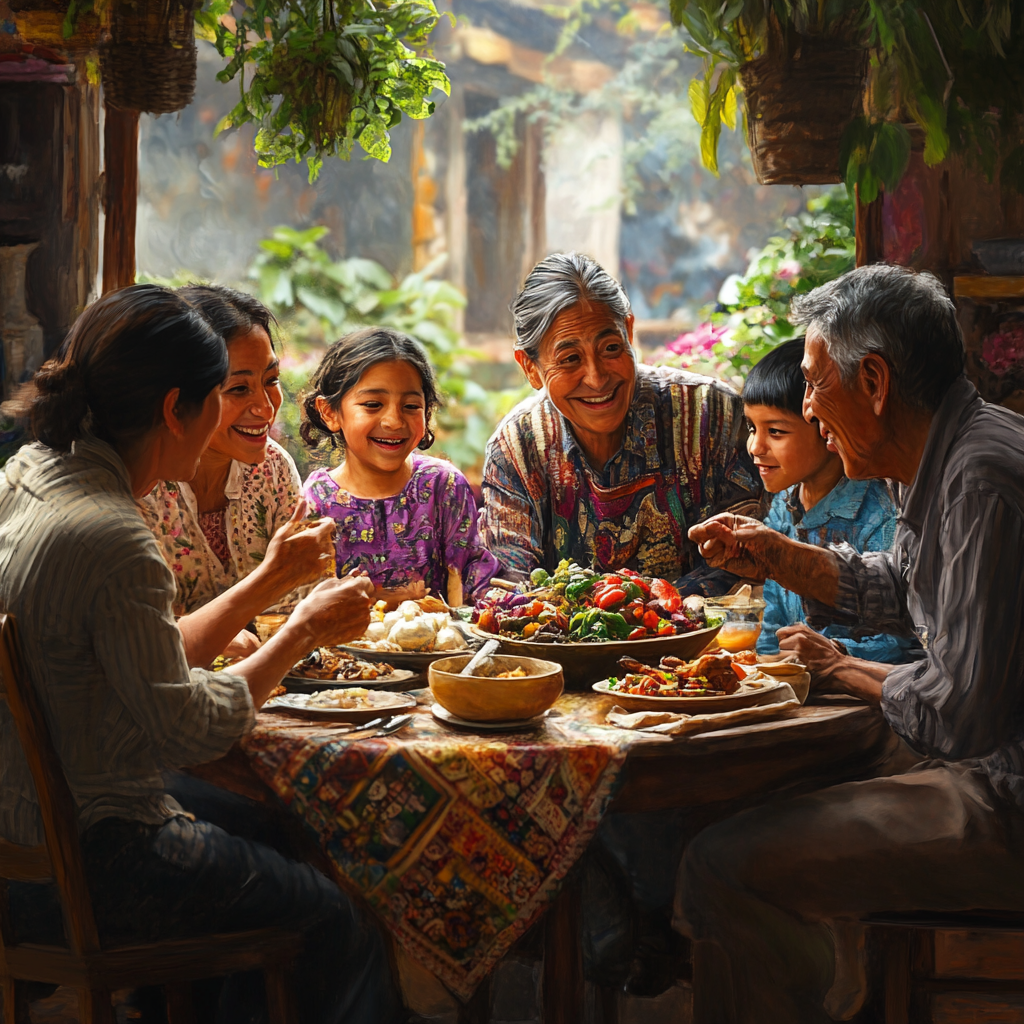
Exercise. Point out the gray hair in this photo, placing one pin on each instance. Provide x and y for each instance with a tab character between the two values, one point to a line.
556	284
904	316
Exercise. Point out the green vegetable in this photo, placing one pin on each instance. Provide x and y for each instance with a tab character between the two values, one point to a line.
576	589
539	577
600	631
632	590
617	626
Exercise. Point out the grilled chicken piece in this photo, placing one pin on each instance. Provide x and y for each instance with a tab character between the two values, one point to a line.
638	667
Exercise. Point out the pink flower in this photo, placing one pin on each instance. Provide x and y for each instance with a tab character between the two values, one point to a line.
699	342
185	551
176	567
788	269
175	530
1004	350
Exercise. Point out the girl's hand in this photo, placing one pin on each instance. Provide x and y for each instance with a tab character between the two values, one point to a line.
413	592
242	645
299	552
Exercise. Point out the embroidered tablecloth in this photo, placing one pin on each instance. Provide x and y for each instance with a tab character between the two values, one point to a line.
458	840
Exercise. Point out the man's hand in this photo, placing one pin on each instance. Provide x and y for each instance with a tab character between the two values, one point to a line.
820	654
334	612
299	553
735	543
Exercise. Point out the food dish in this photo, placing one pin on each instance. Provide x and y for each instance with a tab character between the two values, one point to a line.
348	705
489	698
423	626
748	695
522	723
578	605
337	664
296	684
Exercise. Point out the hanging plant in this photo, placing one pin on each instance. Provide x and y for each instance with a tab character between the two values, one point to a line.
318	76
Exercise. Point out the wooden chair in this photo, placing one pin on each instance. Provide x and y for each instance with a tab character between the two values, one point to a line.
95	971
931	962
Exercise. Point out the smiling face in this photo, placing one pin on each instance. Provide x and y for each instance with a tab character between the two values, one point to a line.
849	418
785	448
589	371
251	396
383	418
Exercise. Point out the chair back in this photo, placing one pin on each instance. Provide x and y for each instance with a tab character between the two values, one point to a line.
56	804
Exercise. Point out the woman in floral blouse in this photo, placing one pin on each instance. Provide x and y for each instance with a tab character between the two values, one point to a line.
214	531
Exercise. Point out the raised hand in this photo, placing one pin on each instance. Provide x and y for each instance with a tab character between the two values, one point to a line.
737	544
334	612
299	553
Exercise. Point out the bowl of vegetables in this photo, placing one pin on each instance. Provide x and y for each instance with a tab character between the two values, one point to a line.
586	620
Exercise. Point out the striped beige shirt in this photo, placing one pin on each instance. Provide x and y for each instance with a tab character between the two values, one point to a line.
93	598
954	575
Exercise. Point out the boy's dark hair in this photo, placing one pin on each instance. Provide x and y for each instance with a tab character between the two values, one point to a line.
777	379
346	361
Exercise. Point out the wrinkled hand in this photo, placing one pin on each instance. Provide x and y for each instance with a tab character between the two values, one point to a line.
336	611
242	645
298	553
735	543
820	654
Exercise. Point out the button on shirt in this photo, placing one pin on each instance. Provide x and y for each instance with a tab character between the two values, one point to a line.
860	513
683	458
93	599
954	576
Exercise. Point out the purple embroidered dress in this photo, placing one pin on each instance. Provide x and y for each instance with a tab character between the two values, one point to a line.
412	536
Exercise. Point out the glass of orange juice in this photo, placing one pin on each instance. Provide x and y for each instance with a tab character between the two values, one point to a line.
741	621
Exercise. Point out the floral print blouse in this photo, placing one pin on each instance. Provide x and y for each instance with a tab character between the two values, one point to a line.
412	536
261	499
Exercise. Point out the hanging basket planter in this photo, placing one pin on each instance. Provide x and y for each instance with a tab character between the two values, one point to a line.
148	56
798	105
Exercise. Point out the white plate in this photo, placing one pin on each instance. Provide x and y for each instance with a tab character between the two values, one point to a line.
746	696
522	723
298	704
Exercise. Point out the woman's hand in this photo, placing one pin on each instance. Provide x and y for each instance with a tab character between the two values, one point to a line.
821	655
413	592
298	553
242	645
334	612
737	544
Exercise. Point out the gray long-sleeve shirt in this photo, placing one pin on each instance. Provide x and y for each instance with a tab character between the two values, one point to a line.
83	575
956	573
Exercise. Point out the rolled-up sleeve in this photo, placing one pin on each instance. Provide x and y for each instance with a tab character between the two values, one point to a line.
189	716
962	700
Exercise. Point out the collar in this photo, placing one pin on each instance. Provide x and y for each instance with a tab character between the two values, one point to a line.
844	501
641	436
960	402
232	489
91	449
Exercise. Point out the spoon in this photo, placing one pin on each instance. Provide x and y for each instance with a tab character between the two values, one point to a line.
488	648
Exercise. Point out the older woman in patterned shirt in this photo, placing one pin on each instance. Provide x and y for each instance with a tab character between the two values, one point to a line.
612	461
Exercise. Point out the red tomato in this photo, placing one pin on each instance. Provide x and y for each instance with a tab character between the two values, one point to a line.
611	580
638	634
667	595
610	598
651	620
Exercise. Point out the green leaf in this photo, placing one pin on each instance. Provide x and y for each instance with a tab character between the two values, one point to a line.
698	93
729	110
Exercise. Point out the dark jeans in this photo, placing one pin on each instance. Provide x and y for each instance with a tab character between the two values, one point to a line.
190	878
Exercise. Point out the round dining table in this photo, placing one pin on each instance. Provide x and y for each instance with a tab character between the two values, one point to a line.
460	840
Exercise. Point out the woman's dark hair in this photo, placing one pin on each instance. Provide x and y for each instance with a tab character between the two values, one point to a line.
229	312
346	361
121	357
777	379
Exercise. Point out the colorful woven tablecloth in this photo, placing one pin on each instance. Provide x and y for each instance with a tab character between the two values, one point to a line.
458	840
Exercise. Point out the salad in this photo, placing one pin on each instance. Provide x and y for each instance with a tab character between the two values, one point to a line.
580	605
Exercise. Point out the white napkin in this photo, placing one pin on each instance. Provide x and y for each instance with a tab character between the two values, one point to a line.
670	723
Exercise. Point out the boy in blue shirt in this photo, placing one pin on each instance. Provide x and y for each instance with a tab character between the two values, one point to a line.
814	501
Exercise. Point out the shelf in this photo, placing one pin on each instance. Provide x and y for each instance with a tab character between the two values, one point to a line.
987	286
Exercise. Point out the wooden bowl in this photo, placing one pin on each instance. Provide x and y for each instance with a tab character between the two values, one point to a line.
485	699
585	663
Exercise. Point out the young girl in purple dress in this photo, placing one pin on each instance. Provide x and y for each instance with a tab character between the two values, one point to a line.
404	517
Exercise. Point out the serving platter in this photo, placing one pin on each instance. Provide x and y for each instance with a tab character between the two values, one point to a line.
749	695
303	684
297	704
583	663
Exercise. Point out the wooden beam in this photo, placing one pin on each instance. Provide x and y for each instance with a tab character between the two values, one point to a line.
121	172
980	286
868	229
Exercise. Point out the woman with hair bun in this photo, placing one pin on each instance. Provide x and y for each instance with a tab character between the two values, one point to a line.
132	397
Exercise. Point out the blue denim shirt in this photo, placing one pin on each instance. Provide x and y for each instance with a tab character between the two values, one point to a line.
858	512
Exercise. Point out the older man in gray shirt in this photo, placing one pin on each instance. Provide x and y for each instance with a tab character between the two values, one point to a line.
767	893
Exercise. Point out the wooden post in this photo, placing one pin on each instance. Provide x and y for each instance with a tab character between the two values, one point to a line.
121	172
870	243
563	959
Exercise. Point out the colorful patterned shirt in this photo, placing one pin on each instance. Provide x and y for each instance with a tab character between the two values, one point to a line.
412	536
261	499
683	459
861	513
